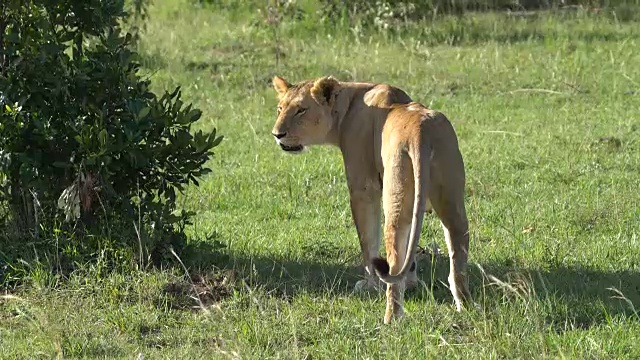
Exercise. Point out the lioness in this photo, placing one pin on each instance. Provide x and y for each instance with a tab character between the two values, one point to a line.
392	148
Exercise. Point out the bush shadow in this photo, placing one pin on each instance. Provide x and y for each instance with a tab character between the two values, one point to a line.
581	296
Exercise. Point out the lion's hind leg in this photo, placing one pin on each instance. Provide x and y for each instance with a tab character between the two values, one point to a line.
448	202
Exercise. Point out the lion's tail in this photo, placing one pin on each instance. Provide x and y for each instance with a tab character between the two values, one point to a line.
421	180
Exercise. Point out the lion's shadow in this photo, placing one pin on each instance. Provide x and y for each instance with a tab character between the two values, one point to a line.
580	294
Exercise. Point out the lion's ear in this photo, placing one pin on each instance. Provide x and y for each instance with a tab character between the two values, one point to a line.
323	89
281	85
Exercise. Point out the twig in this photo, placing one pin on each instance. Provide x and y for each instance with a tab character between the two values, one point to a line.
273	20
502	132
630	79
104	210
36	219
3	28
547	91
574	87
137	229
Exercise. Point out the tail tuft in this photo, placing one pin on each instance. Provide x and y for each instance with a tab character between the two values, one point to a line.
381	266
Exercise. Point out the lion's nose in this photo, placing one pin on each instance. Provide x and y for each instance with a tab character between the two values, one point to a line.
280	135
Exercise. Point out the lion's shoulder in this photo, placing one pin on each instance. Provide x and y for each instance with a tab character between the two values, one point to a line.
384	96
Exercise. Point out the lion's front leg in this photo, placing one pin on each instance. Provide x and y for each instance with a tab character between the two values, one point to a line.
366	211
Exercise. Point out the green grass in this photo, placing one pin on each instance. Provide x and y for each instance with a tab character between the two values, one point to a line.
546	109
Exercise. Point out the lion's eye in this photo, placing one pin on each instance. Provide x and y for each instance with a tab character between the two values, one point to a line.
301	111
279	110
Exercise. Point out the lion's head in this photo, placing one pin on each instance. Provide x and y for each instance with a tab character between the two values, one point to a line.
304	112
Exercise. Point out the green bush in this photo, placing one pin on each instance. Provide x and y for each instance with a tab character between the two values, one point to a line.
85	146
390	17
389	14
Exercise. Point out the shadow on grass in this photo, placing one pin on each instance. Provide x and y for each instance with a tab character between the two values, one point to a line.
581	297
578	296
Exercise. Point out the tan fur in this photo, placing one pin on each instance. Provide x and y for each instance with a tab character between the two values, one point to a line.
393	149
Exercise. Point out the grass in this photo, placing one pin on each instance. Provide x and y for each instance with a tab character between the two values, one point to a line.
546	110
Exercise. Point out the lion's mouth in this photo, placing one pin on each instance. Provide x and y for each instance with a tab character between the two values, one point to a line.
296	148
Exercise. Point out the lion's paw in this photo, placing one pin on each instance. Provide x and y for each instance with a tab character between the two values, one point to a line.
369	284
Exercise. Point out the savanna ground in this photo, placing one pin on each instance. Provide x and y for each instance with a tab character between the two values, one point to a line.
546	107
